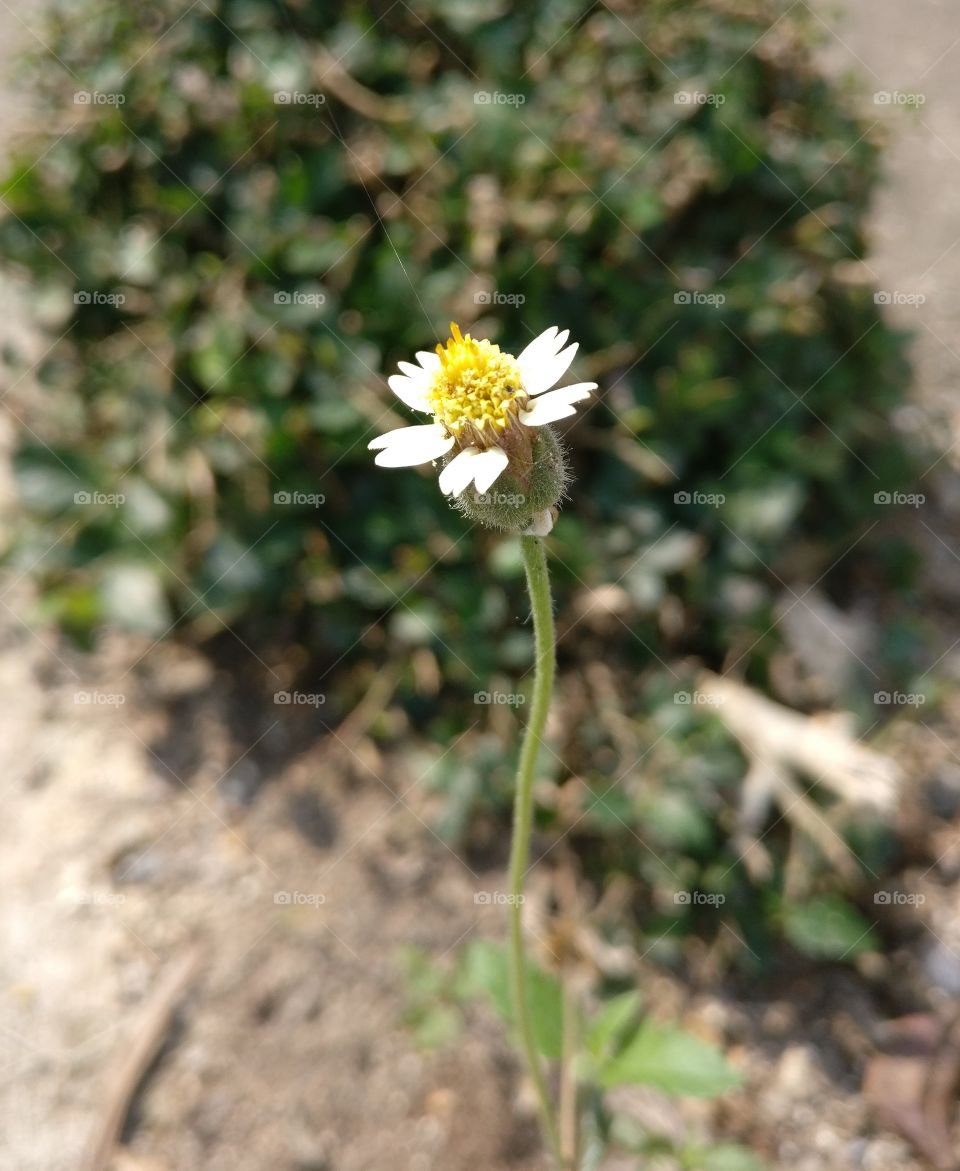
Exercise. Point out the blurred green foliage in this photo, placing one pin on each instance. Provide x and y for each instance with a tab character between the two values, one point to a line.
679	185
205	202
621	1046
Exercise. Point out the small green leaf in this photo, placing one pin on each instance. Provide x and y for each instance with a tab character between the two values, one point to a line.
437	1027
828	928
486	969
671	1060
724	1157
611	1022
132	597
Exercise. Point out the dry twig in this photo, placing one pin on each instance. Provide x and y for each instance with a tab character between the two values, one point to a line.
136	1060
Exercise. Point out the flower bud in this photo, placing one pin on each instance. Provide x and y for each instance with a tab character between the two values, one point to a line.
527	492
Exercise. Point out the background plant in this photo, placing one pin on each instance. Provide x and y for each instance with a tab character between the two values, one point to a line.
275	258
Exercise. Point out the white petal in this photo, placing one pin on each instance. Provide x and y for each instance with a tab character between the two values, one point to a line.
429	360
576	392
407	446
542	363
542	413
417	375
408	391
541	374
487	466
542	350
544	344
459	472
384	440
558	404
540	524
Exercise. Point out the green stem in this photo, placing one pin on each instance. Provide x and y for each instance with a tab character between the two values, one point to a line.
538	585
569	1115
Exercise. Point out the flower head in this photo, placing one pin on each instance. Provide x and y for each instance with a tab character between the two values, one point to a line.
491	412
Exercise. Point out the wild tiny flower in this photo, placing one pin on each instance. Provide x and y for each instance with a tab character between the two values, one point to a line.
491	413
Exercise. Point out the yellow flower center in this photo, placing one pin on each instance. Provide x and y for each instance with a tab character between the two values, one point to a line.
477	388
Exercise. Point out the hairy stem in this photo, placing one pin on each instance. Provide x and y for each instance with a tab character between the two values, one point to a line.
538	585
569	1112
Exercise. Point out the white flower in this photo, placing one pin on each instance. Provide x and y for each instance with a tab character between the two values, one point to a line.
485	406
